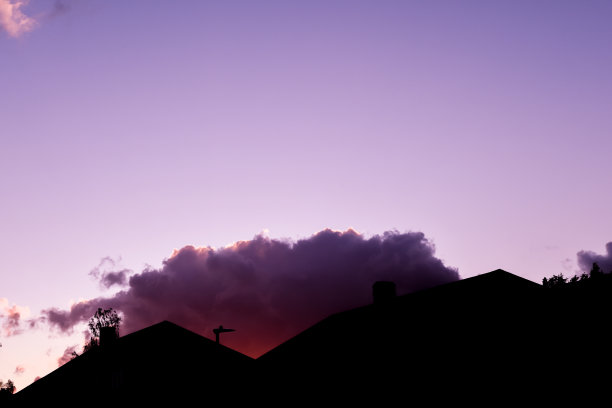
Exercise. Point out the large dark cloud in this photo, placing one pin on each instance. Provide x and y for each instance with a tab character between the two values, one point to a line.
267	289
587	258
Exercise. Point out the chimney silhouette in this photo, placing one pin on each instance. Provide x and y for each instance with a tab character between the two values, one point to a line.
108	335
383	292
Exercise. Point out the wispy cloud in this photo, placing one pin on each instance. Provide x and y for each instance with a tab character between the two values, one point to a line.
11	317
12	18
108	274
67	356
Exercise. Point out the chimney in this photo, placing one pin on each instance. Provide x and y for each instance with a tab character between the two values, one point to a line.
108	335
383	292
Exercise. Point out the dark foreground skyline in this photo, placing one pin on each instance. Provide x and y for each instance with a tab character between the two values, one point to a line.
438	344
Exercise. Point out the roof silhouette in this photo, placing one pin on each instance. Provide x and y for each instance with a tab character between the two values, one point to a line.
480	296
487	338
136	365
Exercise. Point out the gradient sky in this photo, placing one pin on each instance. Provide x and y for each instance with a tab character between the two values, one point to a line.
130	129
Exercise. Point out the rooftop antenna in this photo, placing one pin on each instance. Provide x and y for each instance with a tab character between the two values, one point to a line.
220	330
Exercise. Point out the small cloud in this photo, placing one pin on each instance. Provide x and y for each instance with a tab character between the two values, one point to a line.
65	320
12	18
10	317
19	370
109	274
59	7
567	264
119	278
67	356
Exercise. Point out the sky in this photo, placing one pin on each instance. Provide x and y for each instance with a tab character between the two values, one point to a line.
148	146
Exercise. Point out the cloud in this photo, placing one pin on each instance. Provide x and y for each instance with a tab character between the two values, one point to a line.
65	320
12	19
19	370
59	7
587	258
267	289
108	278
67	356
10	317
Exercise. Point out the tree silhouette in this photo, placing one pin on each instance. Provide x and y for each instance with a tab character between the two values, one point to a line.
596	271
556	281
101	319
595	277
6	390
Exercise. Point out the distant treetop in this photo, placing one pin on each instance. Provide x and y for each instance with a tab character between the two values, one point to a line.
595	275
6	390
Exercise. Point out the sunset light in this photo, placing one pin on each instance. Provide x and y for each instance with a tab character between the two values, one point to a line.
260	165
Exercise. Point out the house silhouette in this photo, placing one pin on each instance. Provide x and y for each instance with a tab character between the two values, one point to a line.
488	339
163	362
493	339
464	334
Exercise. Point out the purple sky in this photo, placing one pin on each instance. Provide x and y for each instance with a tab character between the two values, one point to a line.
130	129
